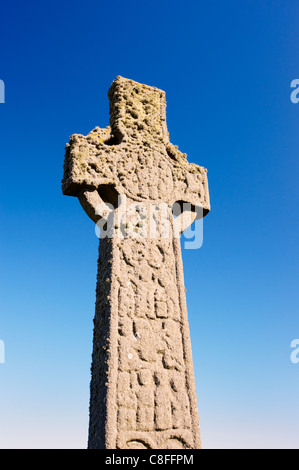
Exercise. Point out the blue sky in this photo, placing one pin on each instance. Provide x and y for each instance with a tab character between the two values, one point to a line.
226	68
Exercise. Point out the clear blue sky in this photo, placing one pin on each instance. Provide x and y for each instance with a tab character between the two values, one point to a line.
226	68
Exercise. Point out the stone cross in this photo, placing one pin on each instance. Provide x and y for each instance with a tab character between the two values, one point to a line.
142	387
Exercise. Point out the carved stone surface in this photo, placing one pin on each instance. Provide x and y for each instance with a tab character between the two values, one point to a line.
142	388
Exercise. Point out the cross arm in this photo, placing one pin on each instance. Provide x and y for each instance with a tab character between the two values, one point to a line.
89	161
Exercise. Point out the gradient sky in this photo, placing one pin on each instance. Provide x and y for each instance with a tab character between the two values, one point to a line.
226	68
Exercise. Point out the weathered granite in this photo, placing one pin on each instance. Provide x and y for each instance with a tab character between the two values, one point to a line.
142	388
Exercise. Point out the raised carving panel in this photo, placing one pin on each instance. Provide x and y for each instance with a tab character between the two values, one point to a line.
151	366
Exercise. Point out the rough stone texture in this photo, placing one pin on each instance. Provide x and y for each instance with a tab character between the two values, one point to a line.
142	388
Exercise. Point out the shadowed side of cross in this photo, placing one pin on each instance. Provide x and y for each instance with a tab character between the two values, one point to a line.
134	158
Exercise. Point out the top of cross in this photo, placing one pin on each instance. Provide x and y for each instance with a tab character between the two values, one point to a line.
133	155
137	113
